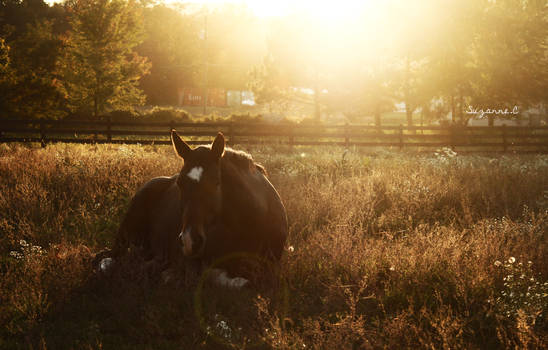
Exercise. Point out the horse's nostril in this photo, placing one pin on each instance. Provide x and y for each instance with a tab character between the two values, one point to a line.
192	242
197	239
183	233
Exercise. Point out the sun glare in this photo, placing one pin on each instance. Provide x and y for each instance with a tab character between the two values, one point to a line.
324	10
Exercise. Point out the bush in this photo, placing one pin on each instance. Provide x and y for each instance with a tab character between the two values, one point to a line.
167	114
122	116
246	119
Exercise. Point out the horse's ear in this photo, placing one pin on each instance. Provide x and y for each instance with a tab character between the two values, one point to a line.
218	145
180	146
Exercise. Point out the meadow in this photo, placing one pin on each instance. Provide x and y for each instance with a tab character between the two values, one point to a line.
386	250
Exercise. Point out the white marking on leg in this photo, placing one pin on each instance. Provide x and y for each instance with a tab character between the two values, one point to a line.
238	282
106	264
221	279
195	173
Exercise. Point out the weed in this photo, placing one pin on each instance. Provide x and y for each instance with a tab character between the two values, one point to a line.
386	250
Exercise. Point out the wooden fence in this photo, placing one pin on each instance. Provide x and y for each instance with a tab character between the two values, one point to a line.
503	138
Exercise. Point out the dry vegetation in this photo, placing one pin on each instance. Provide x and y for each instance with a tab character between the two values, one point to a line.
387	250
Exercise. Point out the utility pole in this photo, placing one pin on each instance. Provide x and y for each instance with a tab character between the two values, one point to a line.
317	111
205	65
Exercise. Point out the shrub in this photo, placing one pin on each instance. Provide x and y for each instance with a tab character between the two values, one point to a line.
524	294
167	114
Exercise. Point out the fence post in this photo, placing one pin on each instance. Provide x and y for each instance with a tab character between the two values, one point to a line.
109	127
504	144
171	127
401	136
42	134
452	136
232	138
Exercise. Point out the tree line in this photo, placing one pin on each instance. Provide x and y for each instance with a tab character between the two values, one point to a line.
438	57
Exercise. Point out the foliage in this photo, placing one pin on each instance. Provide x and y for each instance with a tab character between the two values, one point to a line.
31	30
171	44
523	294
37	91
376	94
100	69
234	42
4	59
386	250
168	114
512	71
264	81
480	53
6	76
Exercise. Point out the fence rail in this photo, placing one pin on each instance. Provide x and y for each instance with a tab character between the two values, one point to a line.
501	138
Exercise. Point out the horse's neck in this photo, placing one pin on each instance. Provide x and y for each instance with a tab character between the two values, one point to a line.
238	195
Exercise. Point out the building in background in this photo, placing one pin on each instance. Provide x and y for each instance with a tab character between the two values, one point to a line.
216	97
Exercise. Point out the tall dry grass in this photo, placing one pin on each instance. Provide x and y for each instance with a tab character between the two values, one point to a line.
386	250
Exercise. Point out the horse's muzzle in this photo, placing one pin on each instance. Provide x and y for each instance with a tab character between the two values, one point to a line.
193	242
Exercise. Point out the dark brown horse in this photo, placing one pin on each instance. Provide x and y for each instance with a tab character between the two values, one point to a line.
221	204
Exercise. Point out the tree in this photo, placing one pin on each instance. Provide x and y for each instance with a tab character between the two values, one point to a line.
6	78
172	46
18	14
31	31
377	92
511	52
410	21
234	43
264	81
36	92
452	69
100	69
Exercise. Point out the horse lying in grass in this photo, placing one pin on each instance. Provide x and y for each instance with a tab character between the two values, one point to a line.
218	212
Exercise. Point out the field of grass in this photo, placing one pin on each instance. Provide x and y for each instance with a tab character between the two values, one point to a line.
386	250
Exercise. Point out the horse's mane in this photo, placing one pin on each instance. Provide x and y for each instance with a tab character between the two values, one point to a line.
242	160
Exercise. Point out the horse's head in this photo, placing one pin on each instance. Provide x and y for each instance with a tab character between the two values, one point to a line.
200	184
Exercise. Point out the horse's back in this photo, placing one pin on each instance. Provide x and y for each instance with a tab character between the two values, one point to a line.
255	214
142	224
275	222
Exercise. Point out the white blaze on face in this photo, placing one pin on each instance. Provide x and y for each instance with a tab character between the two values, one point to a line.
195	173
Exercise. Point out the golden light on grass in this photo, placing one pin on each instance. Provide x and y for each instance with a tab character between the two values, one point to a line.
353	255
